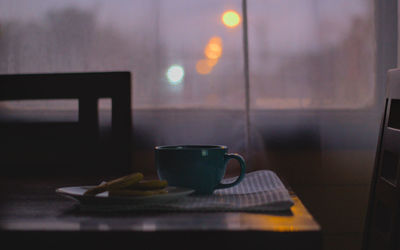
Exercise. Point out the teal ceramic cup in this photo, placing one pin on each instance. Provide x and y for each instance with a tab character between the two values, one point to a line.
199	167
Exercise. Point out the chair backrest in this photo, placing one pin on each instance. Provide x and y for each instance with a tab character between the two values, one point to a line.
382	225
87	88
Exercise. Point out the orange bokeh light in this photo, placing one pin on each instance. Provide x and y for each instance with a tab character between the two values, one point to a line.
230	18
213	52
203	67
213	49
212	62
216	40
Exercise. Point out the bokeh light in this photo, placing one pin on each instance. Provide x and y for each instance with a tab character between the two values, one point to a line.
213	52
213	49
231	18
175	74
212	62
203	67
216	40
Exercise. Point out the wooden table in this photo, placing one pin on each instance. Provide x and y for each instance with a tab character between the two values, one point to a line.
31	213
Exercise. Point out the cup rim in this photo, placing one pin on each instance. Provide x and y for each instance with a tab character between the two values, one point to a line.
190	147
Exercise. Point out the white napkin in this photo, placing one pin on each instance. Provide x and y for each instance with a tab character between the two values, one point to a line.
259	191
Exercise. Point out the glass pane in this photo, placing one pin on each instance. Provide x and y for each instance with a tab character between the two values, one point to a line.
181	53
311	54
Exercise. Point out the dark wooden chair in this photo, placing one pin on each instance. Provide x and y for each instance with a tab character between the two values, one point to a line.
81	144
382	225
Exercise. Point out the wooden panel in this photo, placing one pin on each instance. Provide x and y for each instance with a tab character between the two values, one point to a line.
66	85
34	211
391	137
382	221
394	115
87	88
389	166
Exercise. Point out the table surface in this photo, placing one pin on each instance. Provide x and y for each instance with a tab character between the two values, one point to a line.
31	206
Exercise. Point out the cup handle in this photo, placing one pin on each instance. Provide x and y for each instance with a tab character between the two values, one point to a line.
240	159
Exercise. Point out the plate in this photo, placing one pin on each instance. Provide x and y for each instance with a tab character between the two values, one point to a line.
103	200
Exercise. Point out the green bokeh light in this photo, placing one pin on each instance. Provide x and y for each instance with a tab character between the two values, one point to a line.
175	74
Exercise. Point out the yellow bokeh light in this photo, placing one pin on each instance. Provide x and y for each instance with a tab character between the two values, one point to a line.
213	49
203	67
212	62
216	40
231	18
213	52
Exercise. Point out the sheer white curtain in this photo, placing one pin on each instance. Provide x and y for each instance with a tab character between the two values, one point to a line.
188	65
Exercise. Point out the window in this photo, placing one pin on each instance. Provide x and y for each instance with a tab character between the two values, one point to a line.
305	54
312	54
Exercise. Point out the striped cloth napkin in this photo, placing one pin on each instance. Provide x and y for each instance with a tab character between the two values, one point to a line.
259	191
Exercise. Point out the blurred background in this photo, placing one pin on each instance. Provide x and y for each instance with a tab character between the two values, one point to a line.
309	110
